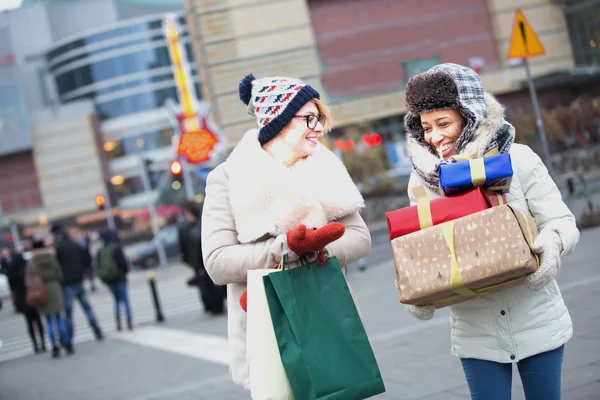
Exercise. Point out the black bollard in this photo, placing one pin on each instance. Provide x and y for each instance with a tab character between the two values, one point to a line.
159	315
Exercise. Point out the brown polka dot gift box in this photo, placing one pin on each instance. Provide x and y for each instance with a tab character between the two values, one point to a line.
472	256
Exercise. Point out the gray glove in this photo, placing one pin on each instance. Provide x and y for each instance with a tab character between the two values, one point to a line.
549	246
421	312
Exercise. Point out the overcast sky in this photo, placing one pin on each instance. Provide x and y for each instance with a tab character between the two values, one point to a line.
4	4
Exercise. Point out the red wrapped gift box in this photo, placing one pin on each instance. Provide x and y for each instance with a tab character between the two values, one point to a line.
433	212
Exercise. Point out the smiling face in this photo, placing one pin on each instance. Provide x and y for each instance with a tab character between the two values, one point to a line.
442	129
301	139
296	140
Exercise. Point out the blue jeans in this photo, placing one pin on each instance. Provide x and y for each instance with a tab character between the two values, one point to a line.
77	290
540	374
119	292
62	329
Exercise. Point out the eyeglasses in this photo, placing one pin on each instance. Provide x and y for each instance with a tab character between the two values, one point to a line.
312	120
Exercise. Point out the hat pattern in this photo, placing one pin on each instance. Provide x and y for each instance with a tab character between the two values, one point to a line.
274	101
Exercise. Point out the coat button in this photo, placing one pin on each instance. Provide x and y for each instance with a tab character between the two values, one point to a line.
512	356
503	312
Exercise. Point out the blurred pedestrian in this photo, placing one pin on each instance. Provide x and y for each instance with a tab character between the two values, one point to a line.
43	264
82	239
190	244
112	269
449	114
280	192
15	266
72	262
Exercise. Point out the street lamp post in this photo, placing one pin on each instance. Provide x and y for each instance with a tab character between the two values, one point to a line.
160	246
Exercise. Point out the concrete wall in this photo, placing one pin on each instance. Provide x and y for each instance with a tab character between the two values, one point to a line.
235	37
19	183
360	49
67	158
367	47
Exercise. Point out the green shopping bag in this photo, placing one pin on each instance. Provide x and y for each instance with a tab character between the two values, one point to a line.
322	341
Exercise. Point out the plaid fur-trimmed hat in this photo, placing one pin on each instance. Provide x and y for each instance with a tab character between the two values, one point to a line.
441	87
274	101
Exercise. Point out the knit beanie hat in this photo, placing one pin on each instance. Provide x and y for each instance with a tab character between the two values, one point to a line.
274	101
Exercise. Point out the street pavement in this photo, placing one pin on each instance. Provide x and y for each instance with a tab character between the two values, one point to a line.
185	357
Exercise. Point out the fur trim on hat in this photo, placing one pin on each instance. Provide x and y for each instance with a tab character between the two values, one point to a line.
431	91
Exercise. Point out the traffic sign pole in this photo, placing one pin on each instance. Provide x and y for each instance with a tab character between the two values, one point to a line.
538	119
160	246
187	180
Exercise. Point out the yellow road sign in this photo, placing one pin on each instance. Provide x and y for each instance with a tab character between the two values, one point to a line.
524	43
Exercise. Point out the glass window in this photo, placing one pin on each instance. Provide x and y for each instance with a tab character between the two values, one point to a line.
135	185
136	103
112	68
584	31
140	143
65	48
415	66
120	45
139	82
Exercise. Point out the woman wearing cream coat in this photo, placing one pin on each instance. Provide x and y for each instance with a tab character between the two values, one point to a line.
278	181
448	114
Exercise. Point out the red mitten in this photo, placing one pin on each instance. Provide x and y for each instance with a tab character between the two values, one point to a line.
244	300
301	240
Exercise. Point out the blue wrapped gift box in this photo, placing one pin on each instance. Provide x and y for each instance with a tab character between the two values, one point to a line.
493	173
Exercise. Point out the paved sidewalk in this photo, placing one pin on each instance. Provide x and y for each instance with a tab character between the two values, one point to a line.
414	356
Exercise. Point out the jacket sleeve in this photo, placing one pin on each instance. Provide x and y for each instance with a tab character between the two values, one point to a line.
413	182
356	242
225	259
58	270
544	199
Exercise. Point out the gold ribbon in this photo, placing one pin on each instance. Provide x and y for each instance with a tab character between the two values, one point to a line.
456	282
477	171
423	207
477	168
498	188
455	277
529	233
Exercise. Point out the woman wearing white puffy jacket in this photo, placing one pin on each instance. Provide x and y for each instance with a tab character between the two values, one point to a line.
449	114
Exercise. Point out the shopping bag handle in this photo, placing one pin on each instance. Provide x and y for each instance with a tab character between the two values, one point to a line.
285	260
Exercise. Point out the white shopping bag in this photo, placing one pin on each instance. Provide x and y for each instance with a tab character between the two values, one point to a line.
268	380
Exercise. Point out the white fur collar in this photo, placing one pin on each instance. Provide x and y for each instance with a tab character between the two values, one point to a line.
427	162
267	198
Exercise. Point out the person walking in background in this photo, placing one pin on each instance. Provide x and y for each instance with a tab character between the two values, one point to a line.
450	114
15	265
280	193
43	264
83	241
70	257
190	244
112	269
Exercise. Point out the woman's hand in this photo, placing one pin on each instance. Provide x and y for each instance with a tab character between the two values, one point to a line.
302	240
421	312
549	246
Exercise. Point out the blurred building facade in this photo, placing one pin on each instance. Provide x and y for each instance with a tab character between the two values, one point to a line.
83	85
361	53
83	82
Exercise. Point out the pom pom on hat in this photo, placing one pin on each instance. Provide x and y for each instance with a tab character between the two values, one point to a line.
245	88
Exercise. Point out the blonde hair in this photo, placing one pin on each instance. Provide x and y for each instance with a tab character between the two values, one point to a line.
324	110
